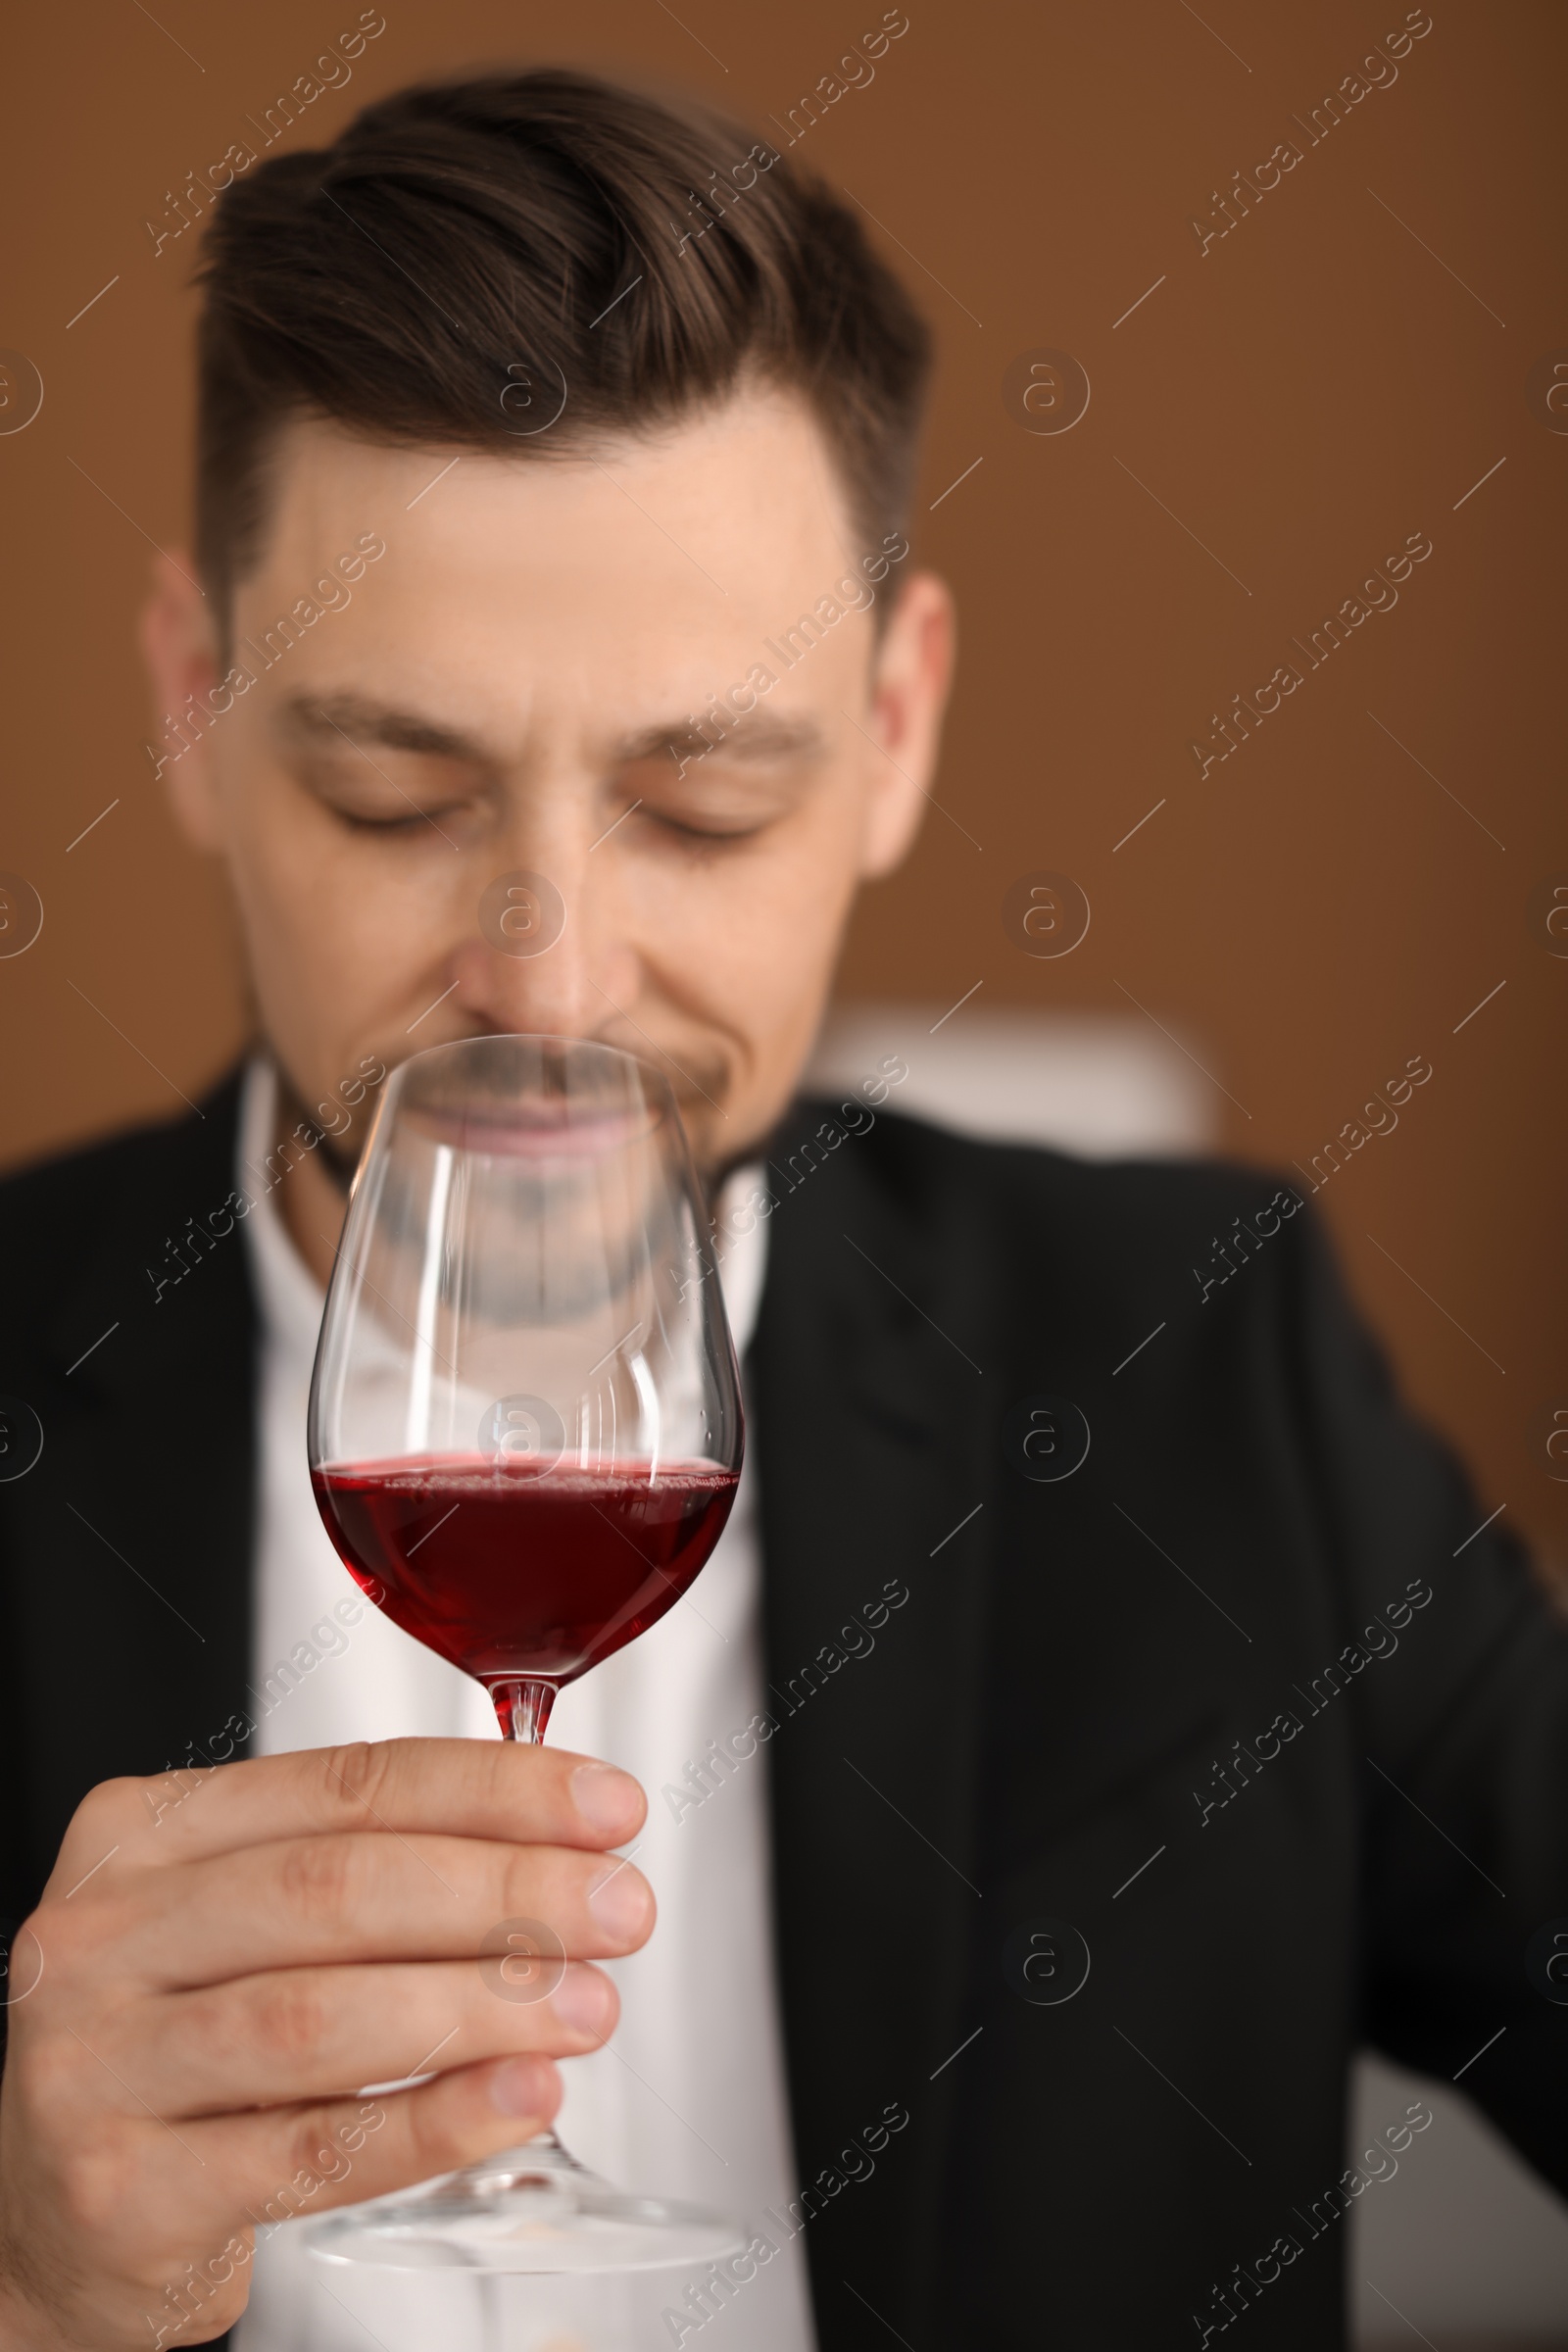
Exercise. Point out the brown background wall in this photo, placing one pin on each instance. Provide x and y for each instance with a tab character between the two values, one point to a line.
1273	419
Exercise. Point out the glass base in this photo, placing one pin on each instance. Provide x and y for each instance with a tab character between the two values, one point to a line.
532	2209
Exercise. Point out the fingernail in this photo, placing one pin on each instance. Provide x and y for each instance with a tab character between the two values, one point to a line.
618	1901
609	1799
582	2000
524	2087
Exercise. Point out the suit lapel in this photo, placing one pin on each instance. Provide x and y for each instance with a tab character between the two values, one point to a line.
1042	1693
142	1501
869	1387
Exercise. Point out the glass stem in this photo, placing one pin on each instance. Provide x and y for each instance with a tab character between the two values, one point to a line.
522	1711
522	1707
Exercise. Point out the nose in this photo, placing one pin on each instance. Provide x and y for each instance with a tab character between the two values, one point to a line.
545	950
523	963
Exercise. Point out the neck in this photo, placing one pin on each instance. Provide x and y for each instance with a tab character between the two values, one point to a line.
314	1193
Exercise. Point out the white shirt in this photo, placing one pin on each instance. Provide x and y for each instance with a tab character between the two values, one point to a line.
688	2098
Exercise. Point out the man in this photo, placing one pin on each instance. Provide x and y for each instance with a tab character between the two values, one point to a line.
1133	1728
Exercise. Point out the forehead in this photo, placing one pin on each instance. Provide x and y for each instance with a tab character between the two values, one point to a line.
643	565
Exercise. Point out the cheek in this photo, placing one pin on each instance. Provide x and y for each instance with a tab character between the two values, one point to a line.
781	908
745	945
786	944
281	876
337	932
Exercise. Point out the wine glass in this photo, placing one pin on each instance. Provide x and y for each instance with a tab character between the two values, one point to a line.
525	1437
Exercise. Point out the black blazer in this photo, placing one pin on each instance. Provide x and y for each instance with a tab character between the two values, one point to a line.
1242	1711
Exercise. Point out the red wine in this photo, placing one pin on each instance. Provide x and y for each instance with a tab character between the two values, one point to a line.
509	1574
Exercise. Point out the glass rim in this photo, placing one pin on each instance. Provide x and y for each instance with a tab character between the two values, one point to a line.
535	1037
494	1133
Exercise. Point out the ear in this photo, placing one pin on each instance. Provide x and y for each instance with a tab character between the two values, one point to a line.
910	684
178	644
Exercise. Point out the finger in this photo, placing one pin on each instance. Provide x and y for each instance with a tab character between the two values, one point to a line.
459	1787
172	2211
305	2033
335	1899
222	2178
308	2159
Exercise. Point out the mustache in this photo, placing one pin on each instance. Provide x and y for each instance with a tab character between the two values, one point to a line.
700	1080
699	1077
698	1101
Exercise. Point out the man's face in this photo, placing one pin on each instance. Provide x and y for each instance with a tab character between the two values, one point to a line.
510	688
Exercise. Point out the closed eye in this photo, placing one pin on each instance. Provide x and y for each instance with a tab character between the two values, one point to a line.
405	824
684	830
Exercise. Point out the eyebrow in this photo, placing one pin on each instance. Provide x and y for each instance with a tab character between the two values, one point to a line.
750	735
359	719
753	735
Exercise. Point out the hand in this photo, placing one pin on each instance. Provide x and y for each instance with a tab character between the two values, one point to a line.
221	1957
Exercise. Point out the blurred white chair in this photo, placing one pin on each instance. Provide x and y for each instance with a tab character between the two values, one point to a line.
1093	1083
1465	2245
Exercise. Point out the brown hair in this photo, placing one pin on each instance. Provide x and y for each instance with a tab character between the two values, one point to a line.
467	252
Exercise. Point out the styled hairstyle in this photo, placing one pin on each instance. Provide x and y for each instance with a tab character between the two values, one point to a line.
528	262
